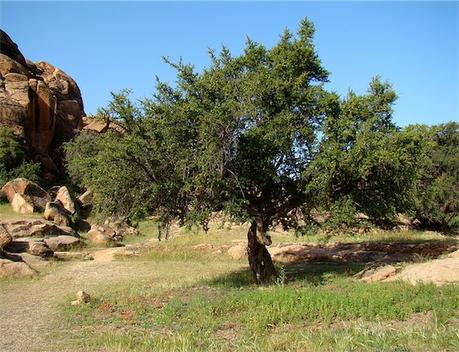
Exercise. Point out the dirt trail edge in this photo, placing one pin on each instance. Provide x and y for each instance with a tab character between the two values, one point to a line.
28	305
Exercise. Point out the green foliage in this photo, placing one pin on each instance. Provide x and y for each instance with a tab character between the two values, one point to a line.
13	159
437	201
235	137
258	137
365	162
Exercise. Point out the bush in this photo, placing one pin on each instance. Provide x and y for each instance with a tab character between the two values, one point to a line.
13	159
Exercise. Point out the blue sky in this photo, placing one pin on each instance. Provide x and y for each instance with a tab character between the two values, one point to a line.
107	46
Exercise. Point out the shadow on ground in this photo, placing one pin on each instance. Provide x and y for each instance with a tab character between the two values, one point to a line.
315	264
311	273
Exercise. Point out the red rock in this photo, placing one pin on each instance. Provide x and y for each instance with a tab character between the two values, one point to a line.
40	102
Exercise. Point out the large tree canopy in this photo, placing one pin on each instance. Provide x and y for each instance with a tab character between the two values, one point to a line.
245	136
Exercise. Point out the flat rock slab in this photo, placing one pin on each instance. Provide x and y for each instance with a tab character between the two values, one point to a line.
73	256
36	228
32	246
62	243
440	272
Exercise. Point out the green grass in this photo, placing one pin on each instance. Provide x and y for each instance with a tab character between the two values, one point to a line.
313	307
6	212
198	299
335	313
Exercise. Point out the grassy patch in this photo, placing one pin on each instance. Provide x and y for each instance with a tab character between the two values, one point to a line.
328	313
6	212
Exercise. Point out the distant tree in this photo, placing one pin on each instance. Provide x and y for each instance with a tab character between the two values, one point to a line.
437	199
14	161
365	163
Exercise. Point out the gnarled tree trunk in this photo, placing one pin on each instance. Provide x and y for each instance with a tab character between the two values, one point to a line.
260	261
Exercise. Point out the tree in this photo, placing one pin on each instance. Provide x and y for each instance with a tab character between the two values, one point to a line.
246	137
234	138
365	163
437	199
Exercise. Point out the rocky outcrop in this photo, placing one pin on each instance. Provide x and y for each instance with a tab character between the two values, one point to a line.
439	272
40	102
31	195
33	241
97	125
32	246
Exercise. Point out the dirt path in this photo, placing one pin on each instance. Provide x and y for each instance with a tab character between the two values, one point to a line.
28	307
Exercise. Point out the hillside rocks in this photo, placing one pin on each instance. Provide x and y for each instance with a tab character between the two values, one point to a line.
41	103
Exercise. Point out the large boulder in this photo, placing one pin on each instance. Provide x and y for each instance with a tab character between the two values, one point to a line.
34	194
40	102
22	204
55	212
238	252
63	196
102	235
10	268
121	227
85	199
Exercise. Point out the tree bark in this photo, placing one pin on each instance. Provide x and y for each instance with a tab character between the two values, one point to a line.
260	262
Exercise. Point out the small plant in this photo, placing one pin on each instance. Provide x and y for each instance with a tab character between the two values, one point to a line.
281	276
